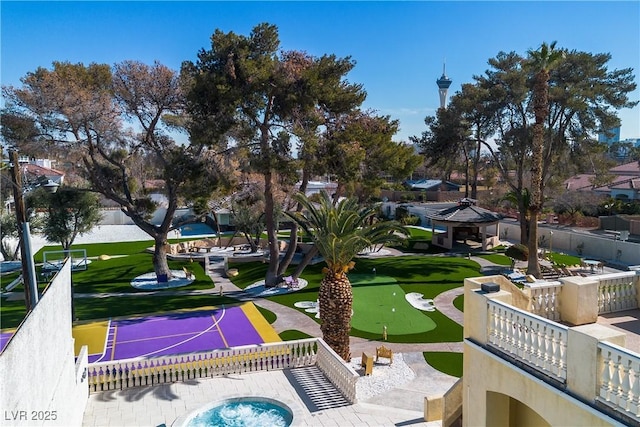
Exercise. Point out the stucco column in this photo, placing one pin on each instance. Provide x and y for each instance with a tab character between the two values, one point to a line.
579	300
475	306
582	357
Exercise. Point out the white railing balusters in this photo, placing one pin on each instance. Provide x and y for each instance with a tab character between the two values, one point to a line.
343	376
619	381
137	372
531	338
544	299
617	292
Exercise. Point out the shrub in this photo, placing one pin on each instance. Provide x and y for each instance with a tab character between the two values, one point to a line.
518	251
410	220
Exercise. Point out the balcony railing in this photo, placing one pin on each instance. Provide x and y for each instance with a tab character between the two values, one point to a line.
538	342
617	292
587	361
545	299
141	372
619	381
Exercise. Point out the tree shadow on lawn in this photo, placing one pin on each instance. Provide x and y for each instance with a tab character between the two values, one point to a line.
95	309
423	269
115	275
97	249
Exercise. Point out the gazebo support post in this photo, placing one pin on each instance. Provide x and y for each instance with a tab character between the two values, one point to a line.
484	237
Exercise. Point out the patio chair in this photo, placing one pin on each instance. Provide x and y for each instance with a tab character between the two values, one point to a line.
290	282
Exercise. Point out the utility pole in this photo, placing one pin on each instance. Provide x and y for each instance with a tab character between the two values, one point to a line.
28	269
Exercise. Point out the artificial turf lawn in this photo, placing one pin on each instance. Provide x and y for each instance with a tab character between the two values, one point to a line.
447	362
128	261
497	259
382	303
458	302
268	315
138	305
426	275
563	259
13	312
293	334
429	276
115	275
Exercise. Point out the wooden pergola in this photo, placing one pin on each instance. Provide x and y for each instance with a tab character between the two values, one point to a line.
465	219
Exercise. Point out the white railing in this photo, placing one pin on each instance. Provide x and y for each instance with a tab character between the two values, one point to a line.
544	298
617	292
343	376
538	342
138	372
82	364
619	381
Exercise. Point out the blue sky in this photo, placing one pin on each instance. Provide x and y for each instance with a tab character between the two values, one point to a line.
399	47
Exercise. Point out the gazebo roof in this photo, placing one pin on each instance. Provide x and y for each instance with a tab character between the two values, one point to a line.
466	214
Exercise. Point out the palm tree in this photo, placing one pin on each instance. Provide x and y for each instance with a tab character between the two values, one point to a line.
540	62
522	200
339	232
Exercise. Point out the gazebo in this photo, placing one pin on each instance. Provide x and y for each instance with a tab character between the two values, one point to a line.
463	221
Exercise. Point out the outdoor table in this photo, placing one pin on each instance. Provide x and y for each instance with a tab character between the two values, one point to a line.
592	264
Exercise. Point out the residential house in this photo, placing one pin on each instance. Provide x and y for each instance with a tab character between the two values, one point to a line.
625	184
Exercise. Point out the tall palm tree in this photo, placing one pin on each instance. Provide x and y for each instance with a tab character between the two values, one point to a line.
339	232
540	62
522	200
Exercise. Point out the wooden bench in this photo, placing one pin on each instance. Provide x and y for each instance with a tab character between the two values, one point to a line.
367	364
384	352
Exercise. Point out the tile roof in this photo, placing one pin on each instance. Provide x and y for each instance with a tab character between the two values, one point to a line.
466	214
37	170
579	182
632	168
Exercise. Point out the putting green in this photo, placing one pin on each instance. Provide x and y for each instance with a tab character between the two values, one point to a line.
383	304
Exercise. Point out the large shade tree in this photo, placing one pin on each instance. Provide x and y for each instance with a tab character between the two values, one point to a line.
584	95
113	120
339	232
358	151
245	88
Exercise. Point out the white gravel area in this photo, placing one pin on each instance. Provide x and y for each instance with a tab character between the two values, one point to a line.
384	377
149	281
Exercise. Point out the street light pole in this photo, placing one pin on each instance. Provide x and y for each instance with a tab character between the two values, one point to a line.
28	270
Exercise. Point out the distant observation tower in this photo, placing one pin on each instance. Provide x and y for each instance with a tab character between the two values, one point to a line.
443	87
